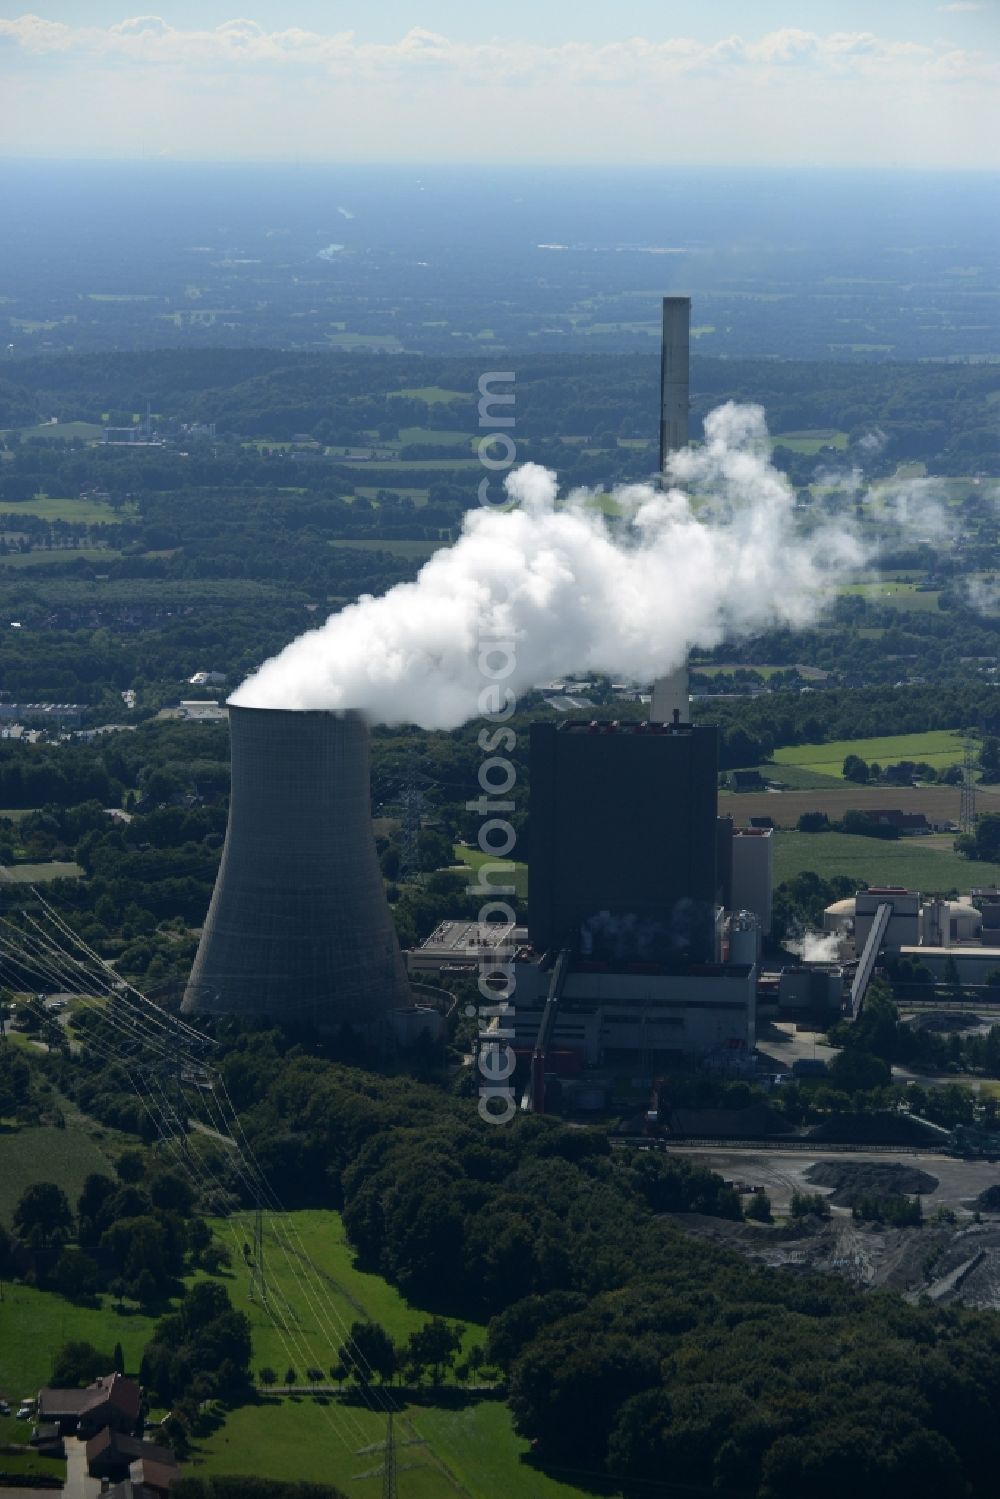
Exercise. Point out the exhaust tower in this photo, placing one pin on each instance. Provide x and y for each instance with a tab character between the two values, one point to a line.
670	701
299	928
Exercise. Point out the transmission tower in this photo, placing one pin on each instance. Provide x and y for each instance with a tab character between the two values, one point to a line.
407	791
255	1259
967	807
389	1489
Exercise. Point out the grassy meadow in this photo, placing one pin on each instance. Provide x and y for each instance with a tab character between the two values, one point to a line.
43	1153
917	863
938	747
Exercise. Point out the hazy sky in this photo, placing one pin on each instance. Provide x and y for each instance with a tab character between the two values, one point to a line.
826	82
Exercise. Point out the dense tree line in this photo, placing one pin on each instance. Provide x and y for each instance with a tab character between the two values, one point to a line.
630	1348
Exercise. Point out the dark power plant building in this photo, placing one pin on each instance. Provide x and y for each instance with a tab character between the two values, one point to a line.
623	841
299	929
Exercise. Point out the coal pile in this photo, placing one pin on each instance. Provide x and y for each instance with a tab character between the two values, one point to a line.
854	1180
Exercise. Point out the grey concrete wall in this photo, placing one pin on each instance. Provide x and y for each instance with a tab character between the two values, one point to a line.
298	928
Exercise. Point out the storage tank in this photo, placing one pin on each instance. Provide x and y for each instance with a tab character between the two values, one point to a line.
299	929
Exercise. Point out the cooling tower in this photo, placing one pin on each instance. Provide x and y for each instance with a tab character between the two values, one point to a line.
298	929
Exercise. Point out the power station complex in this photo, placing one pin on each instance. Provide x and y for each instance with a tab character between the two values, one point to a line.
646	910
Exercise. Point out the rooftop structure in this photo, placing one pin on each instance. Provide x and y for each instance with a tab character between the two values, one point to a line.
464	946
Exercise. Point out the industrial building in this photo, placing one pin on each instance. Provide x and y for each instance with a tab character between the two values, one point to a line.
645	909
464	947
298	929
623	840
933	931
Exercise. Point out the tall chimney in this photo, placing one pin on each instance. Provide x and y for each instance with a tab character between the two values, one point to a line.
670	694
299	928
674	376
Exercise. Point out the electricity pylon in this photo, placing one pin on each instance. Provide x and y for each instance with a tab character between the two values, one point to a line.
389	1489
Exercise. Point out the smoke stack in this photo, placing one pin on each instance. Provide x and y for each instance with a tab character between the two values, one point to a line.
670	701
298	928
674	376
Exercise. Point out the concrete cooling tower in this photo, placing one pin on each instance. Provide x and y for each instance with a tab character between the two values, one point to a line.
299	929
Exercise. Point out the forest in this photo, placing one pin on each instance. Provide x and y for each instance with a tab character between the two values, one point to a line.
627	1347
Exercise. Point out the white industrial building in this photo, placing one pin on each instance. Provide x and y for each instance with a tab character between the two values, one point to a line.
603	1015
753	873
464	947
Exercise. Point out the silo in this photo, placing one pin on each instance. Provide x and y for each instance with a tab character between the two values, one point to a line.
299	929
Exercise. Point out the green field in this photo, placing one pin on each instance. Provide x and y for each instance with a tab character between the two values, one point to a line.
86	431
370	492
31	874
425	435
35	1324
471	1452
386	342
810	440
474	858
912	862
420	464
434	394
894	595
44	1153
467	1450
397	548
938	747
86	512
801	777
41	558
319	1237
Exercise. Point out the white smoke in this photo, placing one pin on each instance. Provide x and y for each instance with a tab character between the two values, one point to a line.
983	595
571	590
916	509
872	443
812	947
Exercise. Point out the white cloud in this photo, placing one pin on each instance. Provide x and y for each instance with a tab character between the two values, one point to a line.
958	6
245	42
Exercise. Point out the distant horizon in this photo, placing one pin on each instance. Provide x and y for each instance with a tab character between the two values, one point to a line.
566	83
513	164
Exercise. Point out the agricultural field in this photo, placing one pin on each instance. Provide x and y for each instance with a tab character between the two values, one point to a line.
370	492
939	748
424	436
398	547
800	777
811	440
40	557
894	595
475	858
30	874
83	512
410	464
434	395
43	1153
913	862
85	431
834	797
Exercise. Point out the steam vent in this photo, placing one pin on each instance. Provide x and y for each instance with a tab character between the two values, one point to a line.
298	929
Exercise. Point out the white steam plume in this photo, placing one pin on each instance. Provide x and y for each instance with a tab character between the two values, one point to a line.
572	590
813	947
